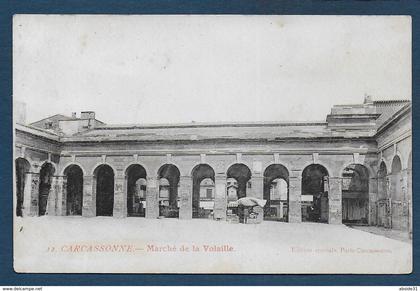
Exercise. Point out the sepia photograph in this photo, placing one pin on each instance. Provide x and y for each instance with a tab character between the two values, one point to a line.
220	144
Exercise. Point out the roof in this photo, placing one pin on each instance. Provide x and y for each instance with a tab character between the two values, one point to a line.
269	130
48	134
394	117
194	132
55	117
387	108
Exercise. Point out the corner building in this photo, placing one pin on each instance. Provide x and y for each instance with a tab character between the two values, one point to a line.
354	167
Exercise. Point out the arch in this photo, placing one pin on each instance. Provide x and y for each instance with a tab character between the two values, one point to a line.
355	194
203	195
30	162
402	159
146	169
22	166
396	165
370	171
168	167
135	176
387	164
45	180
314	193
50	164
74	199
237	163
276	192
62	173
168	195
242	174
268	163
326	167
382	181
97	165
135	167
395	179
398	195
382	171
198	167
104	189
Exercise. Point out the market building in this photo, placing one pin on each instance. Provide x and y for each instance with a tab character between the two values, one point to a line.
354	167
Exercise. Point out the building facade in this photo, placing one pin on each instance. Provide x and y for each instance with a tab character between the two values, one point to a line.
354	167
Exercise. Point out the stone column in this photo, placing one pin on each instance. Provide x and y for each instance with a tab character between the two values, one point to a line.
257	191
63	182
60	188
120	197
89	196
410	200
220	197
257	186
52	203
295	193
55	197
373	198
405	201
30	194
388	216
185	207
382	204
152	198
334	200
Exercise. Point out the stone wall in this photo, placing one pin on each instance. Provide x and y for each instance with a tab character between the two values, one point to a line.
334	153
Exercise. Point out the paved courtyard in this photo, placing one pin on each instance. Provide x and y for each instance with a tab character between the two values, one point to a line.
387	232
106	244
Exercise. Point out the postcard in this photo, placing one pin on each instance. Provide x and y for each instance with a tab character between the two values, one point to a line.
228	144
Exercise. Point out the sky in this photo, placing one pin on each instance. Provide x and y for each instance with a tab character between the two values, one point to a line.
176	69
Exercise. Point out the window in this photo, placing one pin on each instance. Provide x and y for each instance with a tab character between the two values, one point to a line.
209	193
48	125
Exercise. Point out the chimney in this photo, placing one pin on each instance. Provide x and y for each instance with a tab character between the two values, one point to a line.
88	118
368	99
87	115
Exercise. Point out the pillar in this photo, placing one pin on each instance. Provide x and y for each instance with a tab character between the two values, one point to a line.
152	198
52	198
185	207
257	186
382	202
257	191
388	214
89	196
120	197
334	200
295	192
59	186
410	202
373	198
220	197
63	204
405	225
30	194
57	198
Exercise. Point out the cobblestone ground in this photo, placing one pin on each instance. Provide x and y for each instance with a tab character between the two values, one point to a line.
389	233
106	244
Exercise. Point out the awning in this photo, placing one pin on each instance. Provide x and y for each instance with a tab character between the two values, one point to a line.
251	201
